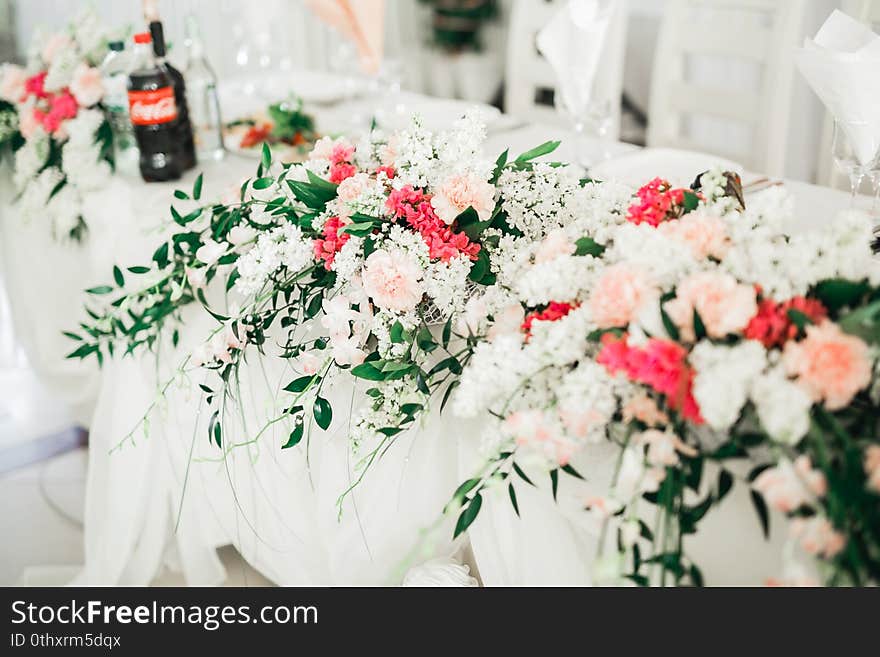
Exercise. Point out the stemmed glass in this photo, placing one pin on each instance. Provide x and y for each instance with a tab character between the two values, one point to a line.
845	155
591	124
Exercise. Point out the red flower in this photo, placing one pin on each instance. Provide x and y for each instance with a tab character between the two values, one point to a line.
388	171
341	171
35	85
773	327
658	202
551	313
660	364
414	206
327	248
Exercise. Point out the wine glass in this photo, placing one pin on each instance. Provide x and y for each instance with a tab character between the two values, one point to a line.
591	122
846	158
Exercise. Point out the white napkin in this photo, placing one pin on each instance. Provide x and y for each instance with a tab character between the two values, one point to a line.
572	42
842	65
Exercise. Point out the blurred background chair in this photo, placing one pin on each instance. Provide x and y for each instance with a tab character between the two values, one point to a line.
868	12
726	61
530	81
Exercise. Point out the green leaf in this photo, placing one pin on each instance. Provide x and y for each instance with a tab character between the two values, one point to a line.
761	510
554	481
101	289
452	386
463	489
588	246
512	494
447	332
302	383
864	323
396	333
118	277
799	319
197	187
359	229
480	267
183	196
691	201
295	436
538	151
669	325
160	256
500	163
72	336
323	412
571	471
837	293
699	327
468	516
263	183
139	270
725	483
425	340
266	157
521	474
368	371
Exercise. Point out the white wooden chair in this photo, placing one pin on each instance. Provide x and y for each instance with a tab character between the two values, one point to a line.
726	34
529	78
867	11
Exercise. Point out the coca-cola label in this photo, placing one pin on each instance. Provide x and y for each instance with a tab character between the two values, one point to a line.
152	107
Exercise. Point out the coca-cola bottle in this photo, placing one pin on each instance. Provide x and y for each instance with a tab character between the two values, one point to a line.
154	115
184	126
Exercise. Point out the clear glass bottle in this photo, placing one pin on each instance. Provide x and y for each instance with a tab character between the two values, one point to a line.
115	70
202	97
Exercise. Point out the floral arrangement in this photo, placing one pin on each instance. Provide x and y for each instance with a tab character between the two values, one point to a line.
52	118
675	327
284	123
682	328
359	257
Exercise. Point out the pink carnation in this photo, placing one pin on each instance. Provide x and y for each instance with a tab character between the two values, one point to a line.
829	365
660	364
460	192
706	236
620	294
724	305
533	430
817	536
12	83
392	279
415	207
555	245
327	248
787	486
86	86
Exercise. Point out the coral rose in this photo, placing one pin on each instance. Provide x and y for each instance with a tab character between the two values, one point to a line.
828	364
724	305
620	294
392	279
460	192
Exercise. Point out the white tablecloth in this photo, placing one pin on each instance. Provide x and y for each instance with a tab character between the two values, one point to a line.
166	498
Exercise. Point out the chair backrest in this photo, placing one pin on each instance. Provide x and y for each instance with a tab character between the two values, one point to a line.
867	11
715	37
530	80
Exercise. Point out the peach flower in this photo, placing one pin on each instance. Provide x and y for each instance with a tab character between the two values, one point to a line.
86	85
392	279
724	305
12	79
461	192
555	245
309	363
620	294
54	45
350	190
580	422
644	409
28	123
663	447
705	235
532	429
788	486
829	364
872	467
507	322
817	536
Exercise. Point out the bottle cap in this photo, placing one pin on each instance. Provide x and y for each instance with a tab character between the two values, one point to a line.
143	37
116	46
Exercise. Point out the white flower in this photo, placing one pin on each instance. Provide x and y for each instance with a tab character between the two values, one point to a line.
240	235
724	376
439	572
210	251
783	406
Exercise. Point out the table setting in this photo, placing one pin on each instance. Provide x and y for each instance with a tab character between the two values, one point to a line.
376	338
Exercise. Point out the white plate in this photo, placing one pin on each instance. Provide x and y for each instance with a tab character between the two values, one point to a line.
677	166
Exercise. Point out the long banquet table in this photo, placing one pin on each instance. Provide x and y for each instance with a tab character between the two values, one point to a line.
169	497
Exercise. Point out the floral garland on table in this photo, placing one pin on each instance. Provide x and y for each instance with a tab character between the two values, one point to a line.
52	118
702	333
371	247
